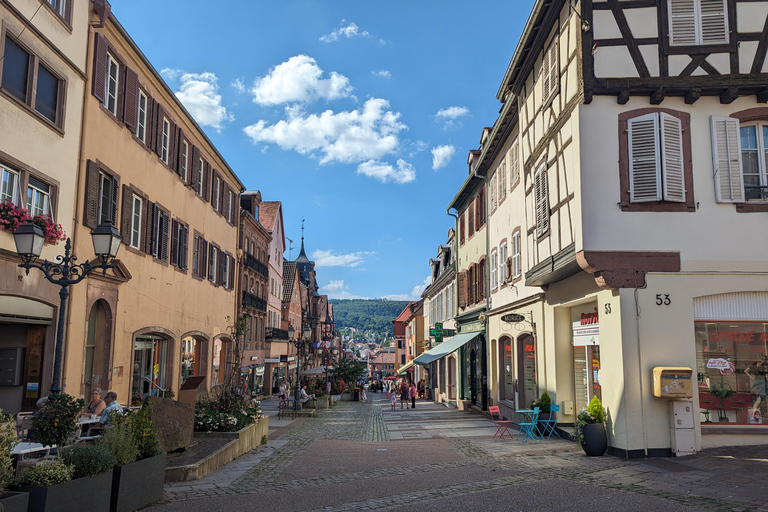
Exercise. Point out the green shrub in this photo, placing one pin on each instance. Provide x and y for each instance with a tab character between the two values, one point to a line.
121	442
89	459
595	408
144	432
225	413
55	423
46	473
594	413
544	403
7	442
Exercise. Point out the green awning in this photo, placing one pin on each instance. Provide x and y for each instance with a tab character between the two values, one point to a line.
403	369
445	348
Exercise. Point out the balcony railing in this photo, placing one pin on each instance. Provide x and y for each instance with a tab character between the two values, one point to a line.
275	334
255	265
254	301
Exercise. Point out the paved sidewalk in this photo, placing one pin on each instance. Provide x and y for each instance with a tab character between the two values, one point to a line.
357	456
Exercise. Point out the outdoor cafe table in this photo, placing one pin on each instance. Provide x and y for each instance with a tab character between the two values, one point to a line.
528	413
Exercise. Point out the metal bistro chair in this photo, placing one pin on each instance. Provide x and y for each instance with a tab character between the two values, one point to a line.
501	425
529	428
551	424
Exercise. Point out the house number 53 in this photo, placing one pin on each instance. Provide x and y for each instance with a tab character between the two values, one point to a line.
662	299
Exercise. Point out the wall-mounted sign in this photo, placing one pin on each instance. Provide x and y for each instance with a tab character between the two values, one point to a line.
512	318
725	366
585	335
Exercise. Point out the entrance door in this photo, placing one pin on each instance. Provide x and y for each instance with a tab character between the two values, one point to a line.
586	370
149	366
451	378
473	376
526	370
97	343
33	368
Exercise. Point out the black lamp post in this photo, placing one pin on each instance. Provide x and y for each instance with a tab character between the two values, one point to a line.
65	272
300	344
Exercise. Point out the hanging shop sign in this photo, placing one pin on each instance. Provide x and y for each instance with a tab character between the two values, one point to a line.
512	318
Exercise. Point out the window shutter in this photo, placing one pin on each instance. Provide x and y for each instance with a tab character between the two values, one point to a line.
231	272
175	242
193	167
204	259
113	205
143	229
220	279
91	214
672	158
173	151
462	295
127	214
542	200
726	156
177	151
164	236
159	116
644	168
99	67
151	123
235	207
481	281
155	232
183	247
131	102
714	22
206	181
471	220
682	22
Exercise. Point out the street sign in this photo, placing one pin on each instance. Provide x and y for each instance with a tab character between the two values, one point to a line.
512	318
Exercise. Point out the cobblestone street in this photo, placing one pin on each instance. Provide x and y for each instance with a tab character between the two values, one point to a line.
362	456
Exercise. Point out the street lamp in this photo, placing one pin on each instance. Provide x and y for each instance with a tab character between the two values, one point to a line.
65	272
299	343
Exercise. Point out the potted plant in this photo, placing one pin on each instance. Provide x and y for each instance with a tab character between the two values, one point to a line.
589	430
139	475
56	422
544	403
9	501
723	392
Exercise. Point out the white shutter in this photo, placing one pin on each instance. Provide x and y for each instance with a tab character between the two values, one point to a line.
714	22
493	191
516	267
672	158
726	158
644	168
503	180
542	200
682	22
514	168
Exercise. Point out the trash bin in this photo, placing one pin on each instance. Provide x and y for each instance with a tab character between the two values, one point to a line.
357	394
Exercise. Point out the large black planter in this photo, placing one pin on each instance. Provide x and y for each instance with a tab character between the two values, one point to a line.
539	425
138	484
89	493
14	501
595	439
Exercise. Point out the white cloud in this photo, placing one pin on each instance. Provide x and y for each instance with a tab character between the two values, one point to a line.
329	259
441	155
238	84
349	31
338	290
299	80
415	292
382	73
199	93
348	137
334	286
384	172
450	115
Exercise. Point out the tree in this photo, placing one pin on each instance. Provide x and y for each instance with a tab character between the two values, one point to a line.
348	370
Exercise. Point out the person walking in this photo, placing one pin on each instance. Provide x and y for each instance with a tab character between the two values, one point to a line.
392	400
404	394
413	393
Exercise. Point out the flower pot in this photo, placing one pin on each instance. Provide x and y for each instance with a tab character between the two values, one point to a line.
14	501
138	484
595	439
89	493
347	397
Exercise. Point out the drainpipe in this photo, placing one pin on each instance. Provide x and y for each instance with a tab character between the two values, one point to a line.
640	367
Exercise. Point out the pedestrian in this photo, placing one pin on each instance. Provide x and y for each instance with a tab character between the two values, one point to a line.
413	392
392	399
420	388
403	394
365	396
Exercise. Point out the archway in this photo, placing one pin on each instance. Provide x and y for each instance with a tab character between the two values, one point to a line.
152	362
194	355
526	370
506	378
220	363
98	344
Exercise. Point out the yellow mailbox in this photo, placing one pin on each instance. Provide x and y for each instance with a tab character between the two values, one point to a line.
669	382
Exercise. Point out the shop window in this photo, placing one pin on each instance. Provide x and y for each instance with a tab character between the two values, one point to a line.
732	371
506	387
191	358
149	360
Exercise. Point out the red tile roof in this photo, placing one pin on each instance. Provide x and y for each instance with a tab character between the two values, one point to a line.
268	211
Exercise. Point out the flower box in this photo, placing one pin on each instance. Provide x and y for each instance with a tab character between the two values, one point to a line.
89	493
138	484
14	501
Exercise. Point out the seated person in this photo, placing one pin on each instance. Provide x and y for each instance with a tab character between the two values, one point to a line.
304	395
112	408
96	405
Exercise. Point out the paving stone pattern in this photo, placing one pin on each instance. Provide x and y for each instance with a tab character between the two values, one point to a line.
722	479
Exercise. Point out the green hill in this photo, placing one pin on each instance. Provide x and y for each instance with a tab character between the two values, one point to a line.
375	315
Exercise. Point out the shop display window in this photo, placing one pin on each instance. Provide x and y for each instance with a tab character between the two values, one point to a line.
732	368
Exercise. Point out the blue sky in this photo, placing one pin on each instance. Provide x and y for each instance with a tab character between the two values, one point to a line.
357	115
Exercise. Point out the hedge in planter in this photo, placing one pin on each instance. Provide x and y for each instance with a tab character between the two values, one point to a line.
51	489
9	501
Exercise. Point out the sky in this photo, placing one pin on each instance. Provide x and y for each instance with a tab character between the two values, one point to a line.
356	115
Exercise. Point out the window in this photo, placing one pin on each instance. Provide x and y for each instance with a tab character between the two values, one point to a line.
212	263
698	22
480	208
230	206
141	125
10	186
514	164
503	276
107	198
111	84
493	190
60	6
136	214
183	162
196	255
38	197
502	181
215	196
200	176
656	158
550	73
21	69
739	153
542	201
166	140
462	229
494	274
516	258
471	219
225	270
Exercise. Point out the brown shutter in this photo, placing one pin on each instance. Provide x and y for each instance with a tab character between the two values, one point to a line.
235	207
481	281
150	123
206	181
222	267
178	151
91	213
154	232
225	199
231	272
131	102
165	226
173	151
193	169
461	289
113	204
143	229
175	242
183	247
125	226
203	259
99	67
159	116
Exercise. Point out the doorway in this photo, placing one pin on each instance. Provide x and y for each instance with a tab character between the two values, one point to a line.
97	346
473	376
526	370
149	359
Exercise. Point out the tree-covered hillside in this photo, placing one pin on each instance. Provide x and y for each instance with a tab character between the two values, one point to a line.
375	315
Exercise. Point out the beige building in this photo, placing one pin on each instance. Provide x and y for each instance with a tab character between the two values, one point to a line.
162	315
43	67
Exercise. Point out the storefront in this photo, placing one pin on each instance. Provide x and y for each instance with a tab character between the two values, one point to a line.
252	380
474	369
586	354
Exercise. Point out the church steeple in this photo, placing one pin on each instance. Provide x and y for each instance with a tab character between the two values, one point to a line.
302	258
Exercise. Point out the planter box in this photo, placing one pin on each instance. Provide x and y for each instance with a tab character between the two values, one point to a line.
138	484
347	397
14	501
89	493
322	402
